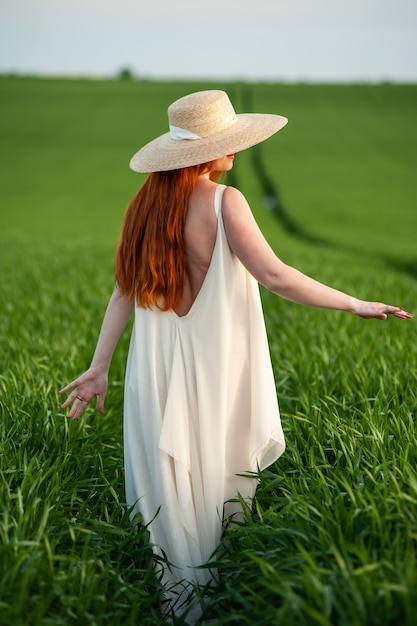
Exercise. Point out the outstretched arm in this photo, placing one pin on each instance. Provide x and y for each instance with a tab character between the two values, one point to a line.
94	381
250	246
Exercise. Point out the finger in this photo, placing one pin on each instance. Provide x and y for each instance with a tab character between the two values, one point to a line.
100	403
378	316
77	408
71	398
68	387
75	413
398	311
403	314
72	413
78	412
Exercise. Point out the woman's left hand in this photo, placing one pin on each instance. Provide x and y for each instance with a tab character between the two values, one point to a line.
84	388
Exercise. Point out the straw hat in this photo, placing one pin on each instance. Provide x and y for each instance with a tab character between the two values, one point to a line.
204	127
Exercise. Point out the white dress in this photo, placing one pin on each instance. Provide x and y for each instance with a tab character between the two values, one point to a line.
200	408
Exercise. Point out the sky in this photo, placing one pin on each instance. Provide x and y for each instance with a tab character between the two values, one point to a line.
273	40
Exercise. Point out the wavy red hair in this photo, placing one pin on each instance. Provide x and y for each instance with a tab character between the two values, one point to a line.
151	263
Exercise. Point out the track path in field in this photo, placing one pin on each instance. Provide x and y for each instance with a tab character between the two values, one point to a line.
273	202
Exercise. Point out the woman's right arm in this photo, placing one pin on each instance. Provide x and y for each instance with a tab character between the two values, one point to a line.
250	246
94	381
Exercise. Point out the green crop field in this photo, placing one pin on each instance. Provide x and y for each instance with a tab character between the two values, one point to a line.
332	537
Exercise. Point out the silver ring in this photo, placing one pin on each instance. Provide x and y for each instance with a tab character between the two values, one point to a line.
80	398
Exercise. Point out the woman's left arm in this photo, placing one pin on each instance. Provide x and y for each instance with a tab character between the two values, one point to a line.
93	383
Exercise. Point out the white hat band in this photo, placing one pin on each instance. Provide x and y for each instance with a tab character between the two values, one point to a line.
181	133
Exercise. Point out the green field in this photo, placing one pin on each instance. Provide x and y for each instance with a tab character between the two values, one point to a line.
332	538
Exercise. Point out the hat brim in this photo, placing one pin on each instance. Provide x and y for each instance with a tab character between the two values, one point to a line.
165	153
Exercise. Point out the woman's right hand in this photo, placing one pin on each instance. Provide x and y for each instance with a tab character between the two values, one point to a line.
379	311
83	389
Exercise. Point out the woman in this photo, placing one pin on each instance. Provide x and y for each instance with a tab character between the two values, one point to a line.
200	404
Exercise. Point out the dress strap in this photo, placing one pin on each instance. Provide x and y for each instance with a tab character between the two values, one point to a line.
218	195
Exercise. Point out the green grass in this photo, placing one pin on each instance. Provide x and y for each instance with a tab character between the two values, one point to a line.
333	532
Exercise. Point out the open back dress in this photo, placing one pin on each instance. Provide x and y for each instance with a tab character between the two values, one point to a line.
200	410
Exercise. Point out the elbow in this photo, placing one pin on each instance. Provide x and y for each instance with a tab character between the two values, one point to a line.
276	277
269	271
272	281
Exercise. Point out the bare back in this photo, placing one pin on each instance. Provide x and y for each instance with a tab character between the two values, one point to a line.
200	237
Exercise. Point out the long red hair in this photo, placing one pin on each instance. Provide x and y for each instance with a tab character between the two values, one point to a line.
151	263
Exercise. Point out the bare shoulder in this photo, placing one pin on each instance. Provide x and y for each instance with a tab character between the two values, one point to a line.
232	197
245	237
237	214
